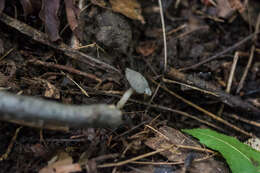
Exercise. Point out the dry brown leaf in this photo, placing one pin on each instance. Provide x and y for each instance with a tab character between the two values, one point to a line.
129	8
49	15
172	136
146	48
50	90
63	163
72	13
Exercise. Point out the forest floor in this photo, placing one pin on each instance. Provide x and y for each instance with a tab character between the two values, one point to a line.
185	94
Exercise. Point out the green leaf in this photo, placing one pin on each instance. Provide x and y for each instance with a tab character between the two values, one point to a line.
240	157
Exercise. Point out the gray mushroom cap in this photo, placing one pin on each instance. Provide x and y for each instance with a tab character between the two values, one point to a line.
138	82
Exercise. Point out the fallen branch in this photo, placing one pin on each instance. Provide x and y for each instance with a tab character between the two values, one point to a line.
65	49
219	54
42	111
232	101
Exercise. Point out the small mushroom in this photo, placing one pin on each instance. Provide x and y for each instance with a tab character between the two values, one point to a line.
138	84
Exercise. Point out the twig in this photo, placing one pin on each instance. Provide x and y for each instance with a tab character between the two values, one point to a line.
132	160
156	106
229	49
81	89
230	79
250	60
164	35
65	49
66	68
42	111
177	112
49	126
254	123
243	78
135	158
172	163
232	71
215	117
10	146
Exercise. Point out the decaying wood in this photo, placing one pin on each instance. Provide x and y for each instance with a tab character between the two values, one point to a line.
230	100
15	107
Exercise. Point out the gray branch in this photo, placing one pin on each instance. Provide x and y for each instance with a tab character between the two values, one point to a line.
27	108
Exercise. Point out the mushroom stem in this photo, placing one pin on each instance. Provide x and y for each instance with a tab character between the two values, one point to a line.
124	98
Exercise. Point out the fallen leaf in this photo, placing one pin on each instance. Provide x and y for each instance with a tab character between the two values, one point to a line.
72	13
50	90
61	163
172	136
129	8
49	15
146	48
240	157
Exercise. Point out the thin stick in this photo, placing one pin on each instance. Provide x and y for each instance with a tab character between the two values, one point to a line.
68	51
152	153
172	163
66	68
42	111
163	108
164	35
232	71
241	83
249	63
135	158
243	120
215	117
232	101
230	79
229	49
10	146
177	112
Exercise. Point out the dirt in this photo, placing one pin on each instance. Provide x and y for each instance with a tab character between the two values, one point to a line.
124	42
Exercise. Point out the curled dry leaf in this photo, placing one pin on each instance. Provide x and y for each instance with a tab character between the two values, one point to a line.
61	163
72	13
49	15
129	8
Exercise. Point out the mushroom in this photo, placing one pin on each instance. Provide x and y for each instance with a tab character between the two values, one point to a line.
138	84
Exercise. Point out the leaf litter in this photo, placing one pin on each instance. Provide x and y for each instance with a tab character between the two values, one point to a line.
187	46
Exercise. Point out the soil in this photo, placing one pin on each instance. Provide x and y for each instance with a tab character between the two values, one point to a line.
124	42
